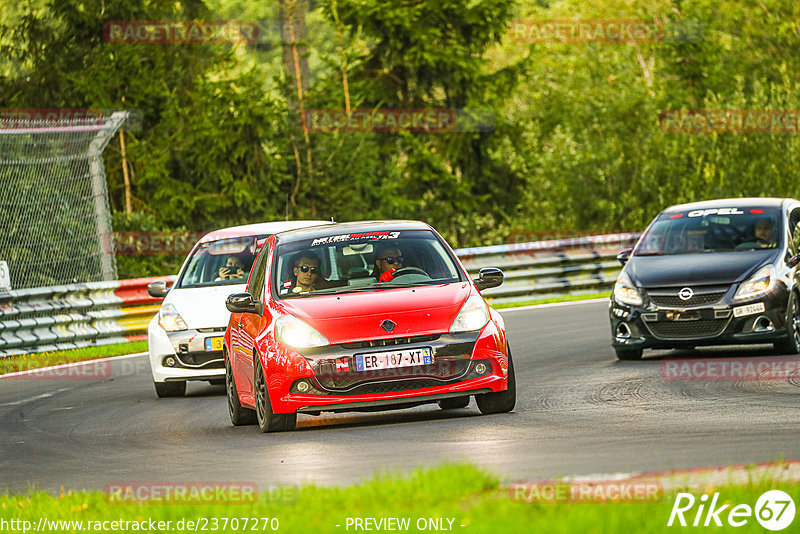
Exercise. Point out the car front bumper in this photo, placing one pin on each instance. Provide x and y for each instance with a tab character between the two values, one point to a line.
187	350
463	365
660	327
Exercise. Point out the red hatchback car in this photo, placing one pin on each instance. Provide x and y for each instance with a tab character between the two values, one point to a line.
363	316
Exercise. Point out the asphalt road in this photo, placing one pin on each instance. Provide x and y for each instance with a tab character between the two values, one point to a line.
579	412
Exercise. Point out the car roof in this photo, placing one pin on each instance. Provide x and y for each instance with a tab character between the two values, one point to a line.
729	203
259	229
349	228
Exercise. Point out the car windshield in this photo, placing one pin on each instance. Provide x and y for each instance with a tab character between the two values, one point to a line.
712	230
220	263
364	261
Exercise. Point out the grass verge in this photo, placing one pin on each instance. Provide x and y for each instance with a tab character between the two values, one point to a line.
45	359
458	498
564	298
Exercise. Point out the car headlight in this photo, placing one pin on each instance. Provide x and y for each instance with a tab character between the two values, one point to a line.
625	291
474	315
170	320
757	285
291	331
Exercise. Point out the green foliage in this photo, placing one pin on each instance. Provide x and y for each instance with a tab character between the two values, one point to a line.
576	142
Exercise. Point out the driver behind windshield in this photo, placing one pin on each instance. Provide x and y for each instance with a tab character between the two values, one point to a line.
762	235
387	262
306	272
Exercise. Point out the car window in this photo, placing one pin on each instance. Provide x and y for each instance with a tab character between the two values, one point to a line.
256	285
208	263
794	220
712	230
342	263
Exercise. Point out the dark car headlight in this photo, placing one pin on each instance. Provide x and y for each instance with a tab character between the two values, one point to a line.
757	285
625	291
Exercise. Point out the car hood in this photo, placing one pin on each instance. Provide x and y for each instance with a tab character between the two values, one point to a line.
203	307
358	316
704	268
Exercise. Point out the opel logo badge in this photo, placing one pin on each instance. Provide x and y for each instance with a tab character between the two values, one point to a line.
686	293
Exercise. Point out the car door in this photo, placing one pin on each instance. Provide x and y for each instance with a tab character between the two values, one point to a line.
247	327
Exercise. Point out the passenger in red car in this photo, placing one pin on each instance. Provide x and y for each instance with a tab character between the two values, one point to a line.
387	263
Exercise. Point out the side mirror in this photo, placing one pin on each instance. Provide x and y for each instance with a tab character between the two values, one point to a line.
793	261
489	277
242	303
157	289
623	256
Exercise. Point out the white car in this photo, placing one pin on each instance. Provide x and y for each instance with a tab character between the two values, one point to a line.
185	336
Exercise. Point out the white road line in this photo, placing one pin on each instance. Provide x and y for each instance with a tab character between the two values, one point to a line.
71	364
37	397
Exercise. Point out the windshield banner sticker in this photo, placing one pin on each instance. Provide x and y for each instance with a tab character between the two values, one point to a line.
353	237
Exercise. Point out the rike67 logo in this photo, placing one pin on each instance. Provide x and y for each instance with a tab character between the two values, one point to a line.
774	510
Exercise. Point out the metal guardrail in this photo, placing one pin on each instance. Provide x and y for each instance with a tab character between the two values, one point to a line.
98	313
545	269
76	315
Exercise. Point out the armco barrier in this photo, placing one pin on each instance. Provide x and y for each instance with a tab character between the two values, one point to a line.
544	269
78	315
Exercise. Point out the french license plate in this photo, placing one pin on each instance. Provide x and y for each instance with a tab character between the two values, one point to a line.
213	343
394	359
750	309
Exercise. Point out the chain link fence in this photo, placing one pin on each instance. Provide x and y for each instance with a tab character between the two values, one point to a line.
54	211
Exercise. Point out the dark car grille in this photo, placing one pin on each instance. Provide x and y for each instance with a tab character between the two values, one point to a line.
392	387
698	299
687	329
206	360
442	369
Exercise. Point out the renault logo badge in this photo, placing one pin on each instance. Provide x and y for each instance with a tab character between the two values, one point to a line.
686	293
387	325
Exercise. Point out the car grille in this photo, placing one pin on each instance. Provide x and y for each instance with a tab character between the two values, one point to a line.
394	386
206	360
698	299
442	369
389	342
687	329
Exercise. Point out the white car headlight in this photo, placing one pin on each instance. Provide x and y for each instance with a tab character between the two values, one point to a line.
474	315
757	285
170	320
291	331
625	291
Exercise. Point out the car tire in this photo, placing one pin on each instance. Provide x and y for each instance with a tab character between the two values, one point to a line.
791	344
454	403
239	414
629	354
500	401
267	420
170	389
